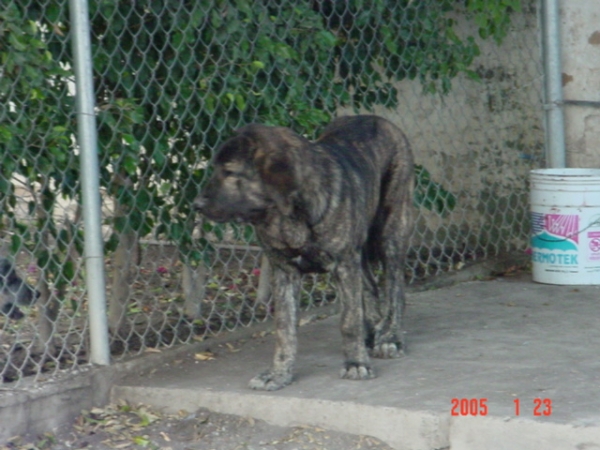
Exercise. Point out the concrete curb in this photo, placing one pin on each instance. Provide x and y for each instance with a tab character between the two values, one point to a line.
401	429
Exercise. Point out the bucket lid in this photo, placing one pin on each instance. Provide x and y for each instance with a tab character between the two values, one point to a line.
567	177
567	172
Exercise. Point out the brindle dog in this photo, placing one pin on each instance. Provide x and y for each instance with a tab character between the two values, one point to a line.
341	204
14	291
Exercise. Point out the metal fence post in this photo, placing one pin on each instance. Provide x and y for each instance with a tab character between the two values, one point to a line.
88	146
555	128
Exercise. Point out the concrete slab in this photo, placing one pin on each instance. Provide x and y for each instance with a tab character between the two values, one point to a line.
477	349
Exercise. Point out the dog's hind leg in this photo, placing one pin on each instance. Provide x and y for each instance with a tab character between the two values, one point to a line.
350	286
393	242
389	337
370	298
285	294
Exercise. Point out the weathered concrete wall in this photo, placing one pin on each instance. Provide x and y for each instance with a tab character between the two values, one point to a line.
481	140
581	80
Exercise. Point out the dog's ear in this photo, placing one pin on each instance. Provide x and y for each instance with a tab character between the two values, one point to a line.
275	156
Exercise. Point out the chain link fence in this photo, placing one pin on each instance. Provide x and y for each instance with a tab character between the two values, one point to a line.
173	79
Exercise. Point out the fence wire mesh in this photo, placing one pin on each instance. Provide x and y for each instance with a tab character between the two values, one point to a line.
173	79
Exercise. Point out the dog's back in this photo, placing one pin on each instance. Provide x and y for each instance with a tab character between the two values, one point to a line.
379	152
367	133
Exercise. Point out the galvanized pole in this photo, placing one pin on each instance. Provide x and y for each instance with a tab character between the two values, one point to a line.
90	185
555	127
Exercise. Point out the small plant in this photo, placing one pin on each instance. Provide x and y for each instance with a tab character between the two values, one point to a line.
430	194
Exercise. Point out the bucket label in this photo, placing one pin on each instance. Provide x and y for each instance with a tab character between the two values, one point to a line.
594	245
555	239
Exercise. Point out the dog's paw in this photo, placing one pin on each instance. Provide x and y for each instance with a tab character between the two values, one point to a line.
270	381
357	371
388	350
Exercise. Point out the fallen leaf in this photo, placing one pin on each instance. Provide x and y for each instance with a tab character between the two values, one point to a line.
153	350
146	417
165	436
204	356
306	320
141	440
122	445
231	348
261	334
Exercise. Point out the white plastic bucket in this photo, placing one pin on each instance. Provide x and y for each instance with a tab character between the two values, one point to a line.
565	226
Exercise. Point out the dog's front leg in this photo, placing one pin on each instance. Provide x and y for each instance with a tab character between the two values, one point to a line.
285	294
349	280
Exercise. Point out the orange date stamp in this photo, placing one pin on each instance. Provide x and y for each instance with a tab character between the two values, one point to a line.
540	407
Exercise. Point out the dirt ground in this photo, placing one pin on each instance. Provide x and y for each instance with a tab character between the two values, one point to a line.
127	427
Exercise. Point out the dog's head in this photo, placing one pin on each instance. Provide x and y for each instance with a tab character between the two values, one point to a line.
253	172
14	291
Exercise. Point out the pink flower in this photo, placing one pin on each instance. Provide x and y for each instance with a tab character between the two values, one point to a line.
162	270
528	251
32	268
256	272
